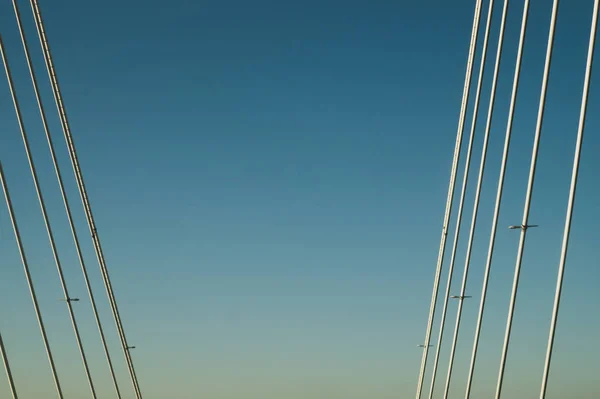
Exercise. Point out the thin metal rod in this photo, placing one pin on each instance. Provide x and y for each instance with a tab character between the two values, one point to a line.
488	264
40	196
11	382
572	193
524	224
461	204
64	195
36	307
82	191
451	189
479	184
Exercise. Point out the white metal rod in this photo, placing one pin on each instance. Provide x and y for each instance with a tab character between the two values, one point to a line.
572	193
451	189
463	193
42	204
36	307
488	264
82	191
524	224
11	383
478	189
64	195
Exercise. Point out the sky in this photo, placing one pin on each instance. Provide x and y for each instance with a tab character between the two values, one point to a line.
269	181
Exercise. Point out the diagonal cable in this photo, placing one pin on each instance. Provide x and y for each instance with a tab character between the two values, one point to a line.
461	203
11	382
450	198
36	308
528	195
484	151
572	192
64	195
46	219
488	264
82	190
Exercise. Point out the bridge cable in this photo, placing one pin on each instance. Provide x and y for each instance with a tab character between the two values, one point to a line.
451	190
36	307
46	219
488	264
527	206
82	190
484	151
571	201
9	376
64	195
462	200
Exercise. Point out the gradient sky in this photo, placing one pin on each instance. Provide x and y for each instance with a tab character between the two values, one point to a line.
269	181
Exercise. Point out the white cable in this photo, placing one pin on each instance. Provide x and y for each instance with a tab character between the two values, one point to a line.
64	195
451	189
511	112
82	191
524	224
478	189
11	383
572	192
36	308
461	201
46	219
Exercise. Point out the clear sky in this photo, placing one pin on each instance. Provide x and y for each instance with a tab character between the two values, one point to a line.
269	181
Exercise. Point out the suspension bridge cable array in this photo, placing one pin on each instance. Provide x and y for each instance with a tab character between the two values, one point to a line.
32	167
499	192
451	189
38	312
461	202
46	219
447	216
528	196
82	190
64	195
499	195
484	151
572	193
11	382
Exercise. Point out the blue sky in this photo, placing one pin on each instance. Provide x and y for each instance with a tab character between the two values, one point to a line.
269	181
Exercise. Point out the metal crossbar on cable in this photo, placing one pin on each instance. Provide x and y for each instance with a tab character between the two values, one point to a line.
524	226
